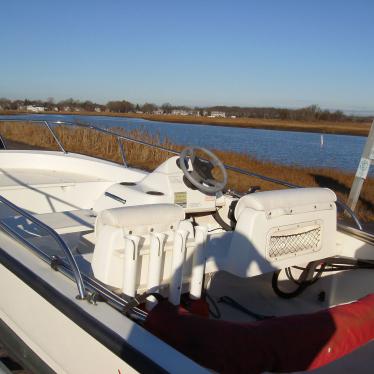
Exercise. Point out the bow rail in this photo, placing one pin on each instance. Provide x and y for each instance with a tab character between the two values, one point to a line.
61	243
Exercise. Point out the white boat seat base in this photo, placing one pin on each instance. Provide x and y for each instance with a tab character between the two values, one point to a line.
114	226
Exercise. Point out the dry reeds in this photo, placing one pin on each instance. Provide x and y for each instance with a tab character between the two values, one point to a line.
81	140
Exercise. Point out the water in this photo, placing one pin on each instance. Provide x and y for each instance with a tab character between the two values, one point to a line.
284	147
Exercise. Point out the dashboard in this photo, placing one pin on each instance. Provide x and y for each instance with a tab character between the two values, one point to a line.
166	184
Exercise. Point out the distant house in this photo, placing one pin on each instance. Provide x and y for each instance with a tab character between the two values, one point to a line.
217	114
66	109
97	109
158	111
55	109
34	108
181	112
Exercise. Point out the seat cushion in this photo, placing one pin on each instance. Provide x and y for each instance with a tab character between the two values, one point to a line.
142	215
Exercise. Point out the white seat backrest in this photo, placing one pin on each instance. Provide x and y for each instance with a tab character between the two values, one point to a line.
277	229
141	219
125	238
283	202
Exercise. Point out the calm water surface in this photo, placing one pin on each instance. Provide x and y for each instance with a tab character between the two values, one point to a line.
285	147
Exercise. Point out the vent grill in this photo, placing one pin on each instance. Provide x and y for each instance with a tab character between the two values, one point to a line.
292	244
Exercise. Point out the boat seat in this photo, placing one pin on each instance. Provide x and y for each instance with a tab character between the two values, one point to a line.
131	227
278	229
137	247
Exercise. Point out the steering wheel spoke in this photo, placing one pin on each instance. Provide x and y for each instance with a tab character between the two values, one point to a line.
194	174
210	182
215	163
192	157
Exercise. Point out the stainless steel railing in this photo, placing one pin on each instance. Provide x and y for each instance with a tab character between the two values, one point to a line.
235	169
359	234
120	137
65	248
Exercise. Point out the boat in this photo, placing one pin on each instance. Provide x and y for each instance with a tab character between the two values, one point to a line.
107	268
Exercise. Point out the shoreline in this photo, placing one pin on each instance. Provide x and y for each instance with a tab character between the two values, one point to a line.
323	127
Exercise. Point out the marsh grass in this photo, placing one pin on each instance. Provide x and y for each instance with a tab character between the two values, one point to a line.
92	143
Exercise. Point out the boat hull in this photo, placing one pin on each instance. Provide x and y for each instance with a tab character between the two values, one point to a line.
62	345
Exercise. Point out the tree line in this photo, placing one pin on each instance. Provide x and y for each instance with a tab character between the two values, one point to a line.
309	113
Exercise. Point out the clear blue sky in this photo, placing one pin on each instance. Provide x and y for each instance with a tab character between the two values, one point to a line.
281	53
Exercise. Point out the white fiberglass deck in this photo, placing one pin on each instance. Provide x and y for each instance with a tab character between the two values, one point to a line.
26	178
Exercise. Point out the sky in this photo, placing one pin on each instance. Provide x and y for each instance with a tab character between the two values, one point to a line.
286	53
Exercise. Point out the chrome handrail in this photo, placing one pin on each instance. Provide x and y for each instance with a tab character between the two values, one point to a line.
117	135
3	144
55	136
120	137
61	243
228	167
359	234
123	154
115	197
351	213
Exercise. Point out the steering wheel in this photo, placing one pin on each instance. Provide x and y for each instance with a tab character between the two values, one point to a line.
201	175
